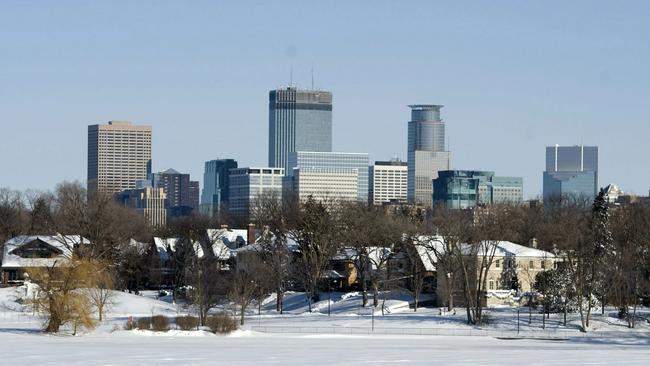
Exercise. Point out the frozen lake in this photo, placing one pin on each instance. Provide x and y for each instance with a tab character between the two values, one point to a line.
246	348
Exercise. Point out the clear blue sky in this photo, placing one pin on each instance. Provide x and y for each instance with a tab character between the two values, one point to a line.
514	76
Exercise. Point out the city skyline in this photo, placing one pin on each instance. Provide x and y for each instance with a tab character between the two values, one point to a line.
543	86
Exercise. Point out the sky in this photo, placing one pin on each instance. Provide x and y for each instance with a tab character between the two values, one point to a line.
513	76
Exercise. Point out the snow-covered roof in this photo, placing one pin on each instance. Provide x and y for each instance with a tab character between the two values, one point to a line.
377	255
163	243
232	238
428	258
220	238
140	246
508	248
161	246
427	246
291	245
61	244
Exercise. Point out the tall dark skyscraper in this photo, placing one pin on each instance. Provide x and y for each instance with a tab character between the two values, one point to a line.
426	152
571	170
178	189
299	120
215	185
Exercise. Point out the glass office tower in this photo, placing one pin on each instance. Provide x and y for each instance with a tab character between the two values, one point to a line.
215	185
299	120
460	189
571	170
426	152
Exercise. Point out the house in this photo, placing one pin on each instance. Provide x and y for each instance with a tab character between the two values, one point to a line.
511	273
344	266
32	251
222	244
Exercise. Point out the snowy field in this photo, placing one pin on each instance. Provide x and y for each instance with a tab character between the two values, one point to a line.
122	348
321	339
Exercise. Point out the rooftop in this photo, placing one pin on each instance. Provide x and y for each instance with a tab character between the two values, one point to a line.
435	107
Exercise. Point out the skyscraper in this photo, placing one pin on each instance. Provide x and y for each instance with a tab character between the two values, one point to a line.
426	151
329	174
571	170
147	201
179	189
119	154
388	182
460	189
215	185
247	184
299	120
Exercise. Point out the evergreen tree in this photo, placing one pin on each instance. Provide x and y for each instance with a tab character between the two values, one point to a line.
603	247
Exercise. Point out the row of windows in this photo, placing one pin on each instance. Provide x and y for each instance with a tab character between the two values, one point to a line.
510	263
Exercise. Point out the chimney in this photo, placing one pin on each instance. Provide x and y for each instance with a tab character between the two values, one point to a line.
224	226
533	243
251	234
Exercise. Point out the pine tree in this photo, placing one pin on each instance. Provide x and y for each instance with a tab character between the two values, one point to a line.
603	247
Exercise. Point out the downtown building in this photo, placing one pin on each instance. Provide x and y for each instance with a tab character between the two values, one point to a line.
182	194
215	195
571	171
462	189
328	175
426	152
119	155
246	185
147	201
299	120
388	182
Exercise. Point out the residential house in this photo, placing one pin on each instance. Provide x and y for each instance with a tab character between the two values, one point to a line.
31	251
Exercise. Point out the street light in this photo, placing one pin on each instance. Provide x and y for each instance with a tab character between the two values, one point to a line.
329	297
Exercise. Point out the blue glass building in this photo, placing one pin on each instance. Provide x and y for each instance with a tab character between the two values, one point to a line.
572	171
460	189
215	185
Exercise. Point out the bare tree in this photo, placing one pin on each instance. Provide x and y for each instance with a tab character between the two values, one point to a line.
475	258
415	267
315	233
14	219
209	286
244	289
631	229
272	213
365	232
101	293
451	227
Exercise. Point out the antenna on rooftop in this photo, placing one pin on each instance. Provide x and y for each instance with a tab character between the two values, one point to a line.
291	75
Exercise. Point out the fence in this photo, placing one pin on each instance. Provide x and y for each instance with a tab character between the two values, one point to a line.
537	334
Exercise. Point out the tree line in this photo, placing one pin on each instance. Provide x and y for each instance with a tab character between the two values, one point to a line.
603	251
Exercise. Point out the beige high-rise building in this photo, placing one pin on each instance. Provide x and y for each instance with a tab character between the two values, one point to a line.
119	154
388	182
147	201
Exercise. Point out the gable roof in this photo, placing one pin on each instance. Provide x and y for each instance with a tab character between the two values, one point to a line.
224	243
508	248
428	245
63	244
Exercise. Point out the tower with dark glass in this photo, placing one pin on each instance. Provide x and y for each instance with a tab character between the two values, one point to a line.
299	120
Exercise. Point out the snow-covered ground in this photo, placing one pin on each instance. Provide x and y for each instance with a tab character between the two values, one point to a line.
122	348
315	338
